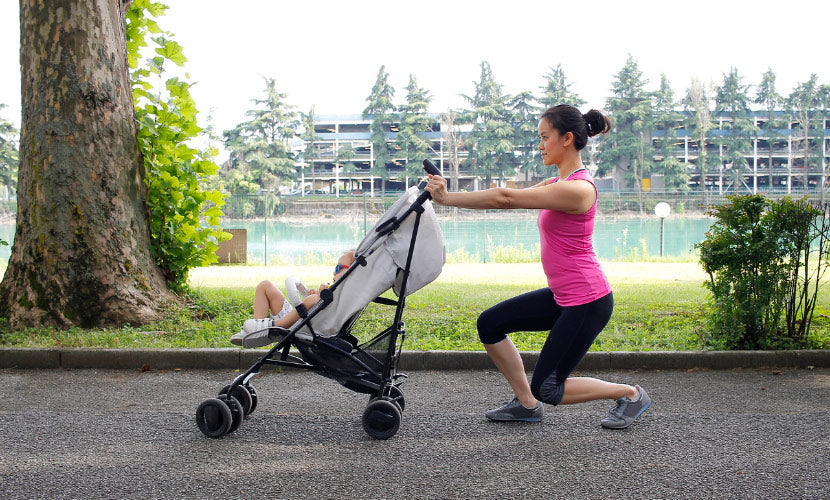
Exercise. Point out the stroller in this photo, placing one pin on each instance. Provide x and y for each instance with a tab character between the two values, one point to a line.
403	251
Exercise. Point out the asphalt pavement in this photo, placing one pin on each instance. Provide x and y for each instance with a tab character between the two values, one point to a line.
128	433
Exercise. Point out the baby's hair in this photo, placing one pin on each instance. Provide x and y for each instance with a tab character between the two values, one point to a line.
566	118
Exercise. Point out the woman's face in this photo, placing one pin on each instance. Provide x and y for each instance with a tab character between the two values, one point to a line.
551	144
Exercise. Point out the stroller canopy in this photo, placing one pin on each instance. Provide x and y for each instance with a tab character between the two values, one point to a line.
386	256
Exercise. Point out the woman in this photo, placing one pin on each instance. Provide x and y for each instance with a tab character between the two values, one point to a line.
577	303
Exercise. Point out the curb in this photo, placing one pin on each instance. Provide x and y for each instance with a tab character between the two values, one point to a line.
242	359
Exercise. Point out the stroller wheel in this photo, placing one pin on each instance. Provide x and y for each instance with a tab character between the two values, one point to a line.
214	418
243	395
395	395
252	392
381	419
237	414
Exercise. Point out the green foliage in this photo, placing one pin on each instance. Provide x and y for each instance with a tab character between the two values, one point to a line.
9	155
804	104
259	147
166	117
414	122
667	119
380	107
626	146
309	136
524	114
557	90
758	258
491	139
732	100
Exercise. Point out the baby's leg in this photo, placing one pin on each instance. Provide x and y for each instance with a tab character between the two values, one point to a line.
268	298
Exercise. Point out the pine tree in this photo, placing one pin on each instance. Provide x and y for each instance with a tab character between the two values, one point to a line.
628	148
735	141
557	90
414	123
768	97
667	119
261	145
524	120
309	137
491	145
9	156
803	102
380	107
698	104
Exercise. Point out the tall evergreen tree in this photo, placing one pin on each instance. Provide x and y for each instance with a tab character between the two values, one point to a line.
261	145
491	144
667	119
735	141
821	136
524	113
769	98
698	105
380	108
309	137
557	90
629	151
9	156
803	102
453	144
414	123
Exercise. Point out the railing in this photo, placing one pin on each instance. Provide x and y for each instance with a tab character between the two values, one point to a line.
609	202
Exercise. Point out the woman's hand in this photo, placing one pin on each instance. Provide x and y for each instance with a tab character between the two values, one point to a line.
437	187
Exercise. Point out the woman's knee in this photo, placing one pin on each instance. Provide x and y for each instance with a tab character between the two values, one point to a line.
549	389
486	333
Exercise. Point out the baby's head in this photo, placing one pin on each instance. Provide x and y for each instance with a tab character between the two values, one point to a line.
344	262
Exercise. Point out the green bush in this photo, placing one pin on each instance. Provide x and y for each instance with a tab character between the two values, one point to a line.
764	259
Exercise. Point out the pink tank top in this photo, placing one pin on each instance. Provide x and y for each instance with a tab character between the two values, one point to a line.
568	258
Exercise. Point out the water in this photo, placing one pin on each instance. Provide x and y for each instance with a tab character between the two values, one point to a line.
322	241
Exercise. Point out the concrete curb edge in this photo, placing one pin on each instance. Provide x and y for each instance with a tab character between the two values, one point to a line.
232	358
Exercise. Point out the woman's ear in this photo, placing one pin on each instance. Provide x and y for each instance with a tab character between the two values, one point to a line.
568	139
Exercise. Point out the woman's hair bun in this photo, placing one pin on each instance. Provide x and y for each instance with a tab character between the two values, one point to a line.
597	122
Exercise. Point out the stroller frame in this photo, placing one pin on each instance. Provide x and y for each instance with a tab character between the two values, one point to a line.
340	357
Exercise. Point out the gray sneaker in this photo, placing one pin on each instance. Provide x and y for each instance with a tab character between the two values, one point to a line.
626	411
514	411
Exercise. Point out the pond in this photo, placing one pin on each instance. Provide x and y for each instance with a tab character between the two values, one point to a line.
472	240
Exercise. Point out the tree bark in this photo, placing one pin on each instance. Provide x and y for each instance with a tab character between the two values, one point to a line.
81	253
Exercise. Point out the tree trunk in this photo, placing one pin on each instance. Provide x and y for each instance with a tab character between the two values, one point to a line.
81	253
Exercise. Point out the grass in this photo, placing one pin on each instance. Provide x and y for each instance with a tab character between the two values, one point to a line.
658	306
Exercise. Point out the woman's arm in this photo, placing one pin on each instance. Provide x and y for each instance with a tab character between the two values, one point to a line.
575	196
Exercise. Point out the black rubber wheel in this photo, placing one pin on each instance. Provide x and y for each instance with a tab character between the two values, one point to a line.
394	394
252	392
214	418
381	419
237	414
243	395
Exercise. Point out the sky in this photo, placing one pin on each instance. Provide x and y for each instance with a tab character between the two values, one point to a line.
327	53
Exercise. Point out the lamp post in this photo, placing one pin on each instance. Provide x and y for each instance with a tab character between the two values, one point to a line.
662	210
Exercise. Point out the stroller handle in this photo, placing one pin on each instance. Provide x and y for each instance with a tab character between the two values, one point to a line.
431	169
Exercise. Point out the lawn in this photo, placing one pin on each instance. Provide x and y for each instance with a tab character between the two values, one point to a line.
658	306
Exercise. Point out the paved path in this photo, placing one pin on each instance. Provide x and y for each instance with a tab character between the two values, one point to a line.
752	433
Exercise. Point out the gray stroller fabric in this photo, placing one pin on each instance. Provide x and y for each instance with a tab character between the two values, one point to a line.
385	256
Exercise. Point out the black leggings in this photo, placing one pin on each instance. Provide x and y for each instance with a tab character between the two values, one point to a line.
572	331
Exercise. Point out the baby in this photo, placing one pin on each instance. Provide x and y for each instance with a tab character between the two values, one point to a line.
272	309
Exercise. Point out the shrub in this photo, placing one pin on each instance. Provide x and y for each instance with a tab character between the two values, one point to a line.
765	260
